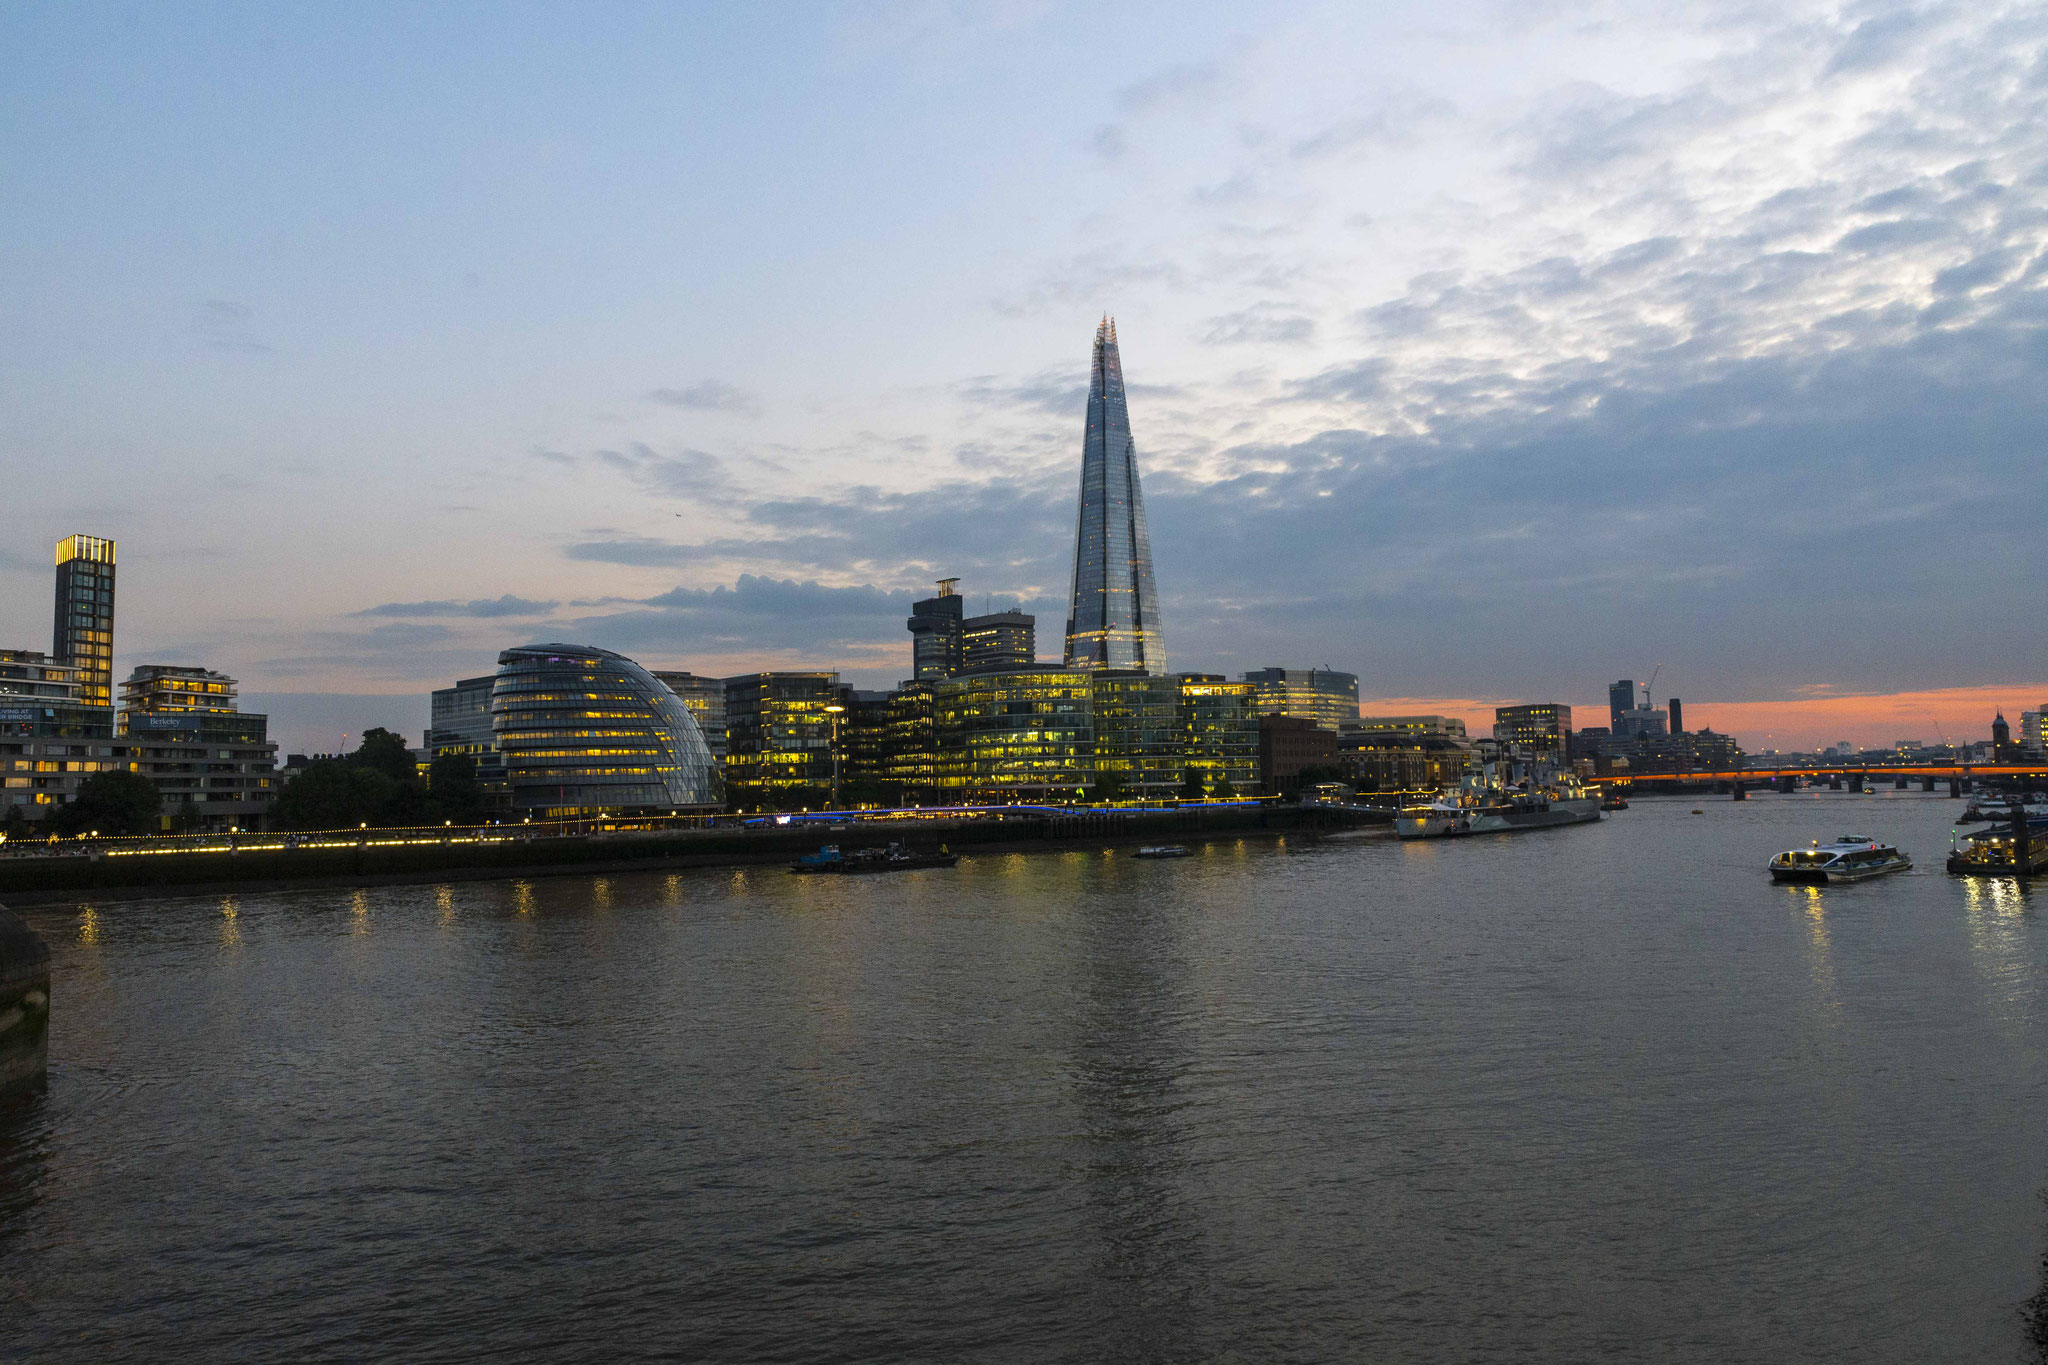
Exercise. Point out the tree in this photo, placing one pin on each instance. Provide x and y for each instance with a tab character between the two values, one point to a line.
452	789
1192	787
111	803
187	818
16	825
335	794
381	751
1109	786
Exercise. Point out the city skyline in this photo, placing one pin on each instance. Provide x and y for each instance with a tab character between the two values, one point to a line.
1487	362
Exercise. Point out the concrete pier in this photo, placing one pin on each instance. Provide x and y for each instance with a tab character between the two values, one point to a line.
24	1006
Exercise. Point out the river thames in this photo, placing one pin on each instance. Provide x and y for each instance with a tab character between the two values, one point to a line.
1593	1093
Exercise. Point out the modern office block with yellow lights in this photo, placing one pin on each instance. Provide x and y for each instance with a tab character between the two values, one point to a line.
1219	733
83	629
1540	729
583	730
1323	695
779	731
1017	734
1137	739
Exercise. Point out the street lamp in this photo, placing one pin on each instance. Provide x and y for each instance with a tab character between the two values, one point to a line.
835	711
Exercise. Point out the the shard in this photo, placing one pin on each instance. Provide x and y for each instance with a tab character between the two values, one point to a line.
1113	621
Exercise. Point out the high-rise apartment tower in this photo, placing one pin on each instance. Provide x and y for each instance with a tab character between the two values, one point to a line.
83	634
1113	621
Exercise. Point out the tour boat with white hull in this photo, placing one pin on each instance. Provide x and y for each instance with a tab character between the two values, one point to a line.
1850	858
1486	803
2000	852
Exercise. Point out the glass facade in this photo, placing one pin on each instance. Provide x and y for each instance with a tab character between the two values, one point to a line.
1113	621
1219	733
1001	639
935	633
1323	695
459	722
910	763
1024	734
50	742
584	730
83	633
1137	740
779	736
706	699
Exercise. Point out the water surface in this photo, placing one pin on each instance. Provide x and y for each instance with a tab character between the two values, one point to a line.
1602	1093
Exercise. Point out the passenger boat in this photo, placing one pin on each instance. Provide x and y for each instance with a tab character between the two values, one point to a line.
894	858
1485	804
1850	858
1994	852
1163	851
1999	806
1614	801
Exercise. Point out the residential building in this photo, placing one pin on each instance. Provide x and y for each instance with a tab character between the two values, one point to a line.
1000	639
1113	616
779	728
706	699
459	722
50	741
1219	733
213	763
1323	695
1539	729
1699	750
1014	735
935	625
2031	739
584	730
1137	743
83	630
1290	746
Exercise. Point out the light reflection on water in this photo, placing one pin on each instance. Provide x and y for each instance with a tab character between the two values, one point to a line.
1599	1093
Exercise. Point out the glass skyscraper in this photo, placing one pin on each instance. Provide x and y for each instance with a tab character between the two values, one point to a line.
84	636
1113	621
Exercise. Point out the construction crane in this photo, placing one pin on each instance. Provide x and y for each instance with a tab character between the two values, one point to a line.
1647	704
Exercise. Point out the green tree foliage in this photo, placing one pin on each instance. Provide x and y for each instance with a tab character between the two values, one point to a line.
1109	786
386	753
111	803
1192	787
16	825
453	791
379	785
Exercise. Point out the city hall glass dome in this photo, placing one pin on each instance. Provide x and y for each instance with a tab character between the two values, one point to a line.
585	729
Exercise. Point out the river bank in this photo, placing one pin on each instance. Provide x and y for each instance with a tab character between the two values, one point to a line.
113	876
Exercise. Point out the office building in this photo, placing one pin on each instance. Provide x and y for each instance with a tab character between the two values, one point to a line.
213	764
1000	639
910	764
584	730
83	631
862	722
1113	616
1621	699
1323	695
1677	714
1539	730
778	739
1014	735
1402	763
935	627
2031	739
459	723
1219	734
1412	725
706	699
1290	746
1642	720
1137	743
50	741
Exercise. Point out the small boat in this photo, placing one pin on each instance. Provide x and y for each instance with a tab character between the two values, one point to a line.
1850	858
1614	801
862	861
1164	851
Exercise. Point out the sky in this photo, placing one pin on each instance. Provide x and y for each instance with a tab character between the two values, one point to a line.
1489	351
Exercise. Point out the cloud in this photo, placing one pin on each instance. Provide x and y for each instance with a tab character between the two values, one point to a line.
1261	324
708	395
482	609
224	325
1195	84
1396	120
